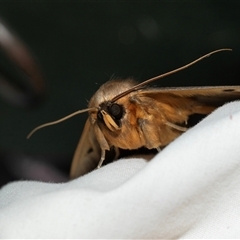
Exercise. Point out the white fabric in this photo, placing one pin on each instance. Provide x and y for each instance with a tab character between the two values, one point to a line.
190	190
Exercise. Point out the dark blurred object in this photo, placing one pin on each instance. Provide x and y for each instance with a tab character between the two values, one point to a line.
15	166
22	85
30	91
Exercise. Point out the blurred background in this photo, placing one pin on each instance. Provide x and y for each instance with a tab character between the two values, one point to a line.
76	46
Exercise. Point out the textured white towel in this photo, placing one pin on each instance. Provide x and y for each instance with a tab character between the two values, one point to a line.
190	190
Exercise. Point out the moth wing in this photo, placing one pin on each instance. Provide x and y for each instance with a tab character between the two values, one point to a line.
167	111
87	153
214	96
189	97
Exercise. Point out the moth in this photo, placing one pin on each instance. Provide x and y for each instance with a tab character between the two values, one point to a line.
126	115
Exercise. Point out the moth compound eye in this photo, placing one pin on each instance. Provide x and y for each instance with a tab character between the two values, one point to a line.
99	116
116	111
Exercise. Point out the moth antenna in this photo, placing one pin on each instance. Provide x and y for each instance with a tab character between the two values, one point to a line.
59	120
140	85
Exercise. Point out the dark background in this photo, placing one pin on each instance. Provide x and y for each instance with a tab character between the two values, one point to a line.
81	44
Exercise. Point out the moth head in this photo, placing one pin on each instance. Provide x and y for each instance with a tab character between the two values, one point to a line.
110	114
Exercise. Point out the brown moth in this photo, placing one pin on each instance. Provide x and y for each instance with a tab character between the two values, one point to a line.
127	115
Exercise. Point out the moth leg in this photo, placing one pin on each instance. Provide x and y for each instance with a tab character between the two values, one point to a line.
179	128
117	152
149	134
102	159
103	156
158	149
102	142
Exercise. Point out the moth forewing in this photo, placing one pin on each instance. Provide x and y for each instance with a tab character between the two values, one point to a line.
87	153
211	95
